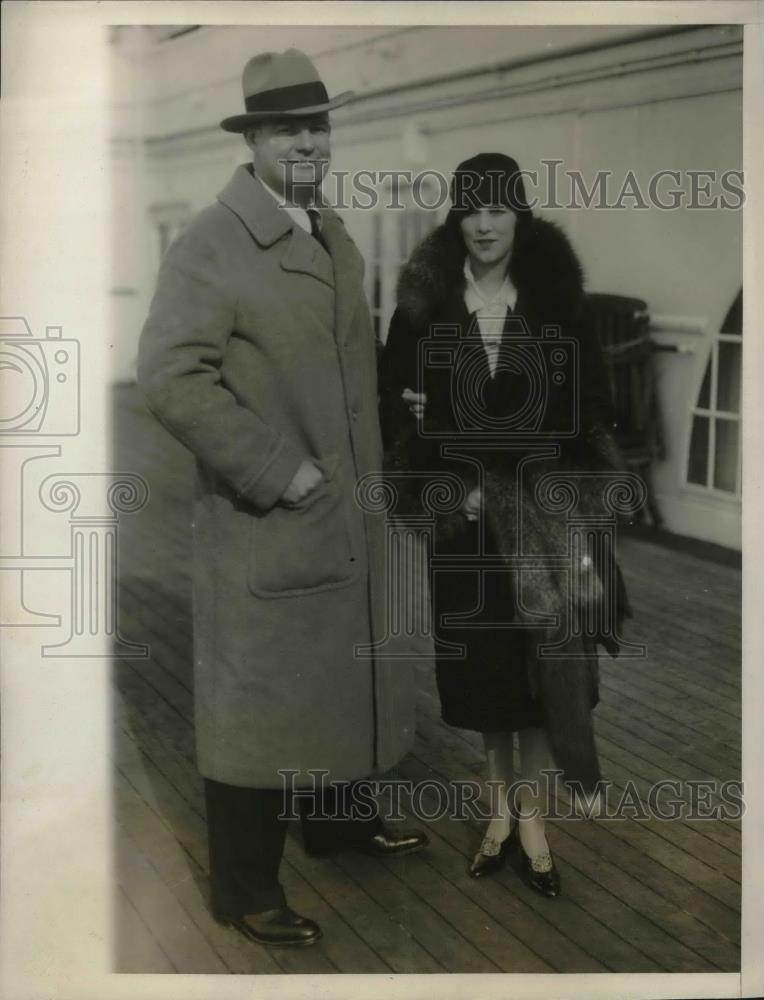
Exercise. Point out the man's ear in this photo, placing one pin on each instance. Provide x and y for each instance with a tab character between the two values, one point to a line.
250	137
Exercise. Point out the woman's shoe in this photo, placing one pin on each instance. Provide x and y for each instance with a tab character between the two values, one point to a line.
539	873
490	858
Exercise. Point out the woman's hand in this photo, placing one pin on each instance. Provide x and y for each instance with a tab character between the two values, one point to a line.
415	402
473	503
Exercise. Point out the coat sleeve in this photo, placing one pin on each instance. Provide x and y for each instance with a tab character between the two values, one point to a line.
181	350
397	370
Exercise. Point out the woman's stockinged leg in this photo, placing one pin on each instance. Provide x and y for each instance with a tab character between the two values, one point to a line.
499	753
491	856
535	757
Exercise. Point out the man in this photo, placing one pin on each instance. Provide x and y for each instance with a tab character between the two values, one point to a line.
258	354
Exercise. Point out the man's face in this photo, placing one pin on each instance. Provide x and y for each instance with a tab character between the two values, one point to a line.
291	155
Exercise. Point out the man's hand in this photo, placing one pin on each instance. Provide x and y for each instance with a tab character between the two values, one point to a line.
304	481
415	401
473	503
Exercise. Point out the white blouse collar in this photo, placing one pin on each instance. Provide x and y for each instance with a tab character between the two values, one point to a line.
505	298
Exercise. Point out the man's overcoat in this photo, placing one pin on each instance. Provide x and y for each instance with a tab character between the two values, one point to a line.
258	352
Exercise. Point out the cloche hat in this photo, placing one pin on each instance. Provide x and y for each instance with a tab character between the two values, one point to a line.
488	179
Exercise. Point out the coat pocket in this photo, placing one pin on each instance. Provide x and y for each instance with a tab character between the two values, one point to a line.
304	548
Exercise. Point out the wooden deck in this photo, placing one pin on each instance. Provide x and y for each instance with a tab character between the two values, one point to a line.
639	895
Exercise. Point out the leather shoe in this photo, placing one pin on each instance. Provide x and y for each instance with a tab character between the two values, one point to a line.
281	926
547	881
490	858
387	844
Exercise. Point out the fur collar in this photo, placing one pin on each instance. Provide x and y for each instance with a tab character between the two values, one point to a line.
544	268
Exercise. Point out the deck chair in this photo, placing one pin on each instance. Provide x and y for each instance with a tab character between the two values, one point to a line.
622	325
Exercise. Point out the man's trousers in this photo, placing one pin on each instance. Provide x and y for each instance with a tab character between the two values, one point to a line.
246	839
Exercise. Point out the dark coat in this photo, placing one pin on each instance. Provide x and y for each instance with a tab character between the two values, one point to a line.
501	683
258	352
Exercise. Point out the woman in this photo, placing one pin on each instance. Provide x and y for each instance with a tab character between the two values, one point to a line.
474	384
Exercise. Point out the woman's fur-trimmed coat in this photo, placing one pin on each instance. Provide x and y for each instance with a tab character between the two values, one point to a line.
503	683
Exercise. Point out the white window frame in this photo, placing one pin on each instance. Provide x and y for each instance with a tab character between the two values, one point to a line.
712	414
385	258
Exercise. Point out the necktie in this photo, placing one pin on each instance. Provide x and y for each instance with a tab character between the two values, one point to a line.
315	225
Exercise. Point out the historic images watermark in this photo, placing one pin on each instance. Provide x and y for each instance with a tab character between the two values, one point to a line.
40	391
551	188
471	800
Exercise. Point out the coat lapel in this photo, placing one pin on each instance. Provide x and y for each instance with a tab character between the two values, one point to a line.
499	391
472	353
305	254
248	199
348	272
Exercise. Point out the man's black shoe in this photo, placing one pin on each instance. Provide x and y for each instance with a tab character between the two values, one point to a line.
281	926
387	844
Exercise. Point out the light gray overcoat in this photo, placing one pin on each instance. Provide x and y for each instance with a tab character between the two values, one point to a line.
257	353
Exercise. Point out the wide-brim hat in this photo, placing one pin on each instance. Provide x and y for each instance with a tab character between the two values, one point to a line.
281	84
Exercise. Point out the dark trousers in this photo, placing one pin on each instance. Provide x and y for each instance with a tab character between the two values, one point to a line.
246	839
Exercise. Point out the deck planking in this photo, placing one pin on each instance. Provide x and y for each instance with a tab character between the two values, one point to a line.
638	895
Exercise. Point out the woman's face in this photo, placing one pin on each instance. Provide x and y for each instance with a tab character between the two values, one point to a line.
488	234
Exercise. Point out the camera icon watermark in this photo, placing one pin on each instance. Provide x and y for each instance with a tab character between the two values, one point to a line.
39	381
40	400
544	371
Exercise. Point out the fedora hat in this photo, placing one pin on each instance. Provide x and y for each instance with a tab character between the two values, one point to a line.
277	84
